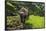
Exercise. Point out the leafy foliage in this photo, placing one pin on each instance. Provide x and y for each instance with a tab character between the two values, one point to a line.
36	12
33	8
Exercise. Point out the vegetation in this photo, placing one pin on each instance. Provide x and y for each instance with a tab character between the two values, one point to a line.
36	21
36	14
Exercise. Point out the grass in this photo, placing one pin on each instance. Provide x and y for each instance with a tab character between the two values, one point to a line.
13	21
36	21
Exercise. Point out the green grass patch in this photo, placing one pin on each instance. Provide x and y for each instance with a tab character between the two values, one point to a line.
36	21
